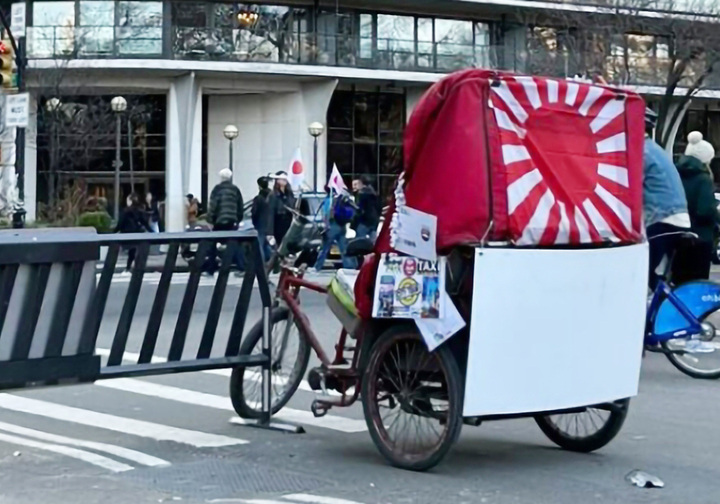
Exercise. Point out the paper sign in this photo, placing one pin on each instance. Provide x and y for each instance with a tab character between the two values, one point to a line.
16	110
414	233
435	332
409	287
17	19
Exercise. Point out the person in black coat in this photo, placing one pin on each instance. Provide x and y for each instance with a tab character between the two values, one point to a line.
367	217
132	220
262	216
283	200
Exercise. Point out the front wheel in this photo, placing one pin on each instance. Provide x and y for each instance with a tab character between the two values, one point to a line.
585	431
412	399
704	364
288	369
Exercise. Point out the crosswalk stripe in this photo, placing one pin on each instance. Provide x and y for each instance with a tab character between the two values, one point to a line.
125	425
85	456
317	499
186	396
127	454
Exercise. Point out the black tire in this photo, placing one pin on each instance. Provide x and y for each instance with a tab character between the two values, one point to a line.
678	360
447	371
253	340
591	441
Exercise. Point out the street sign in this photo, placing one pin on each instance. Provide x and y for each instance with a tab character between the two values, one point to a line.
17	19
17	108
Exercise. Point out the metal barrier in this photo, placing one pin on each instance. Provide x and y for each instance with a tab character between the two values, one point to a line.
52	306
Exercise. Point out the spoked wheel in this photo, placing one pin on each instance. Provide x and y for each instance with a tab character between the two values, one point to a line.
412	399
702	360
290	354
585	431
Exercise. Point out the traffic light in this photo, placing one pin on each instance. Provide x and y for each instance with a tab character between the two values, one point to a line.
8	69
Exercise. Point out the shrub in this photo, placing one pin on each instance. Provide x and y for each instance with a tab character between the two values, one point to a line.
99	219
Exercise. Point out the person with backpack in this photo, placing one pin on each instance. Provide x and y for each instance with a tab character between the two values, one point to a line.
338	211
132	220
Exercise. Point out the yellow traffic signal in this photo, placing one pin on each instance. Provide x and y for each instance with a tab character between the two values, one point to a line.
8	69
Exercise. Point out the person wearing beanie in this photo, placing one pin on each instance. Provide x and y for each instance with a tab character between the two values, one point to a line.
693	260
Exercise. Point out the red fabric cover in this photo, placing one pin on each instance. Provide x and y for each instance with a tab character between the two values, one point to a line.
528	153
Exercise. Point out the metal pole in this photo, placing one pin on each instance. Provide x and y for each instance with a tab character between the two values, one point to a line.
117	167
130	153
19	214
230	164
315	156
266	367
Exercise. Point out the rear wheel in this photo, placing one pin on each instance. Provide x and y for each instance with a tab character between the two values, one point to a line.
585	431
412	399
703	365
287	370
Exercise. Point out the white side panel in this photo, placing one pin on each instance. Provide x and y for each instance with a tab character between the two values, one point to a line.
555	329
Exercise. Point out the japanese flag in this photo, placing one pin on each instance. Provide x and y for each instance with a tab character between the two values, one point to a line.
297	170
336	182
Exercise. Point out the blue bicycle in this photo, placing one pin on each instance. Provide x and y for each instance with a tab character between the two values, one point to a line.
681	322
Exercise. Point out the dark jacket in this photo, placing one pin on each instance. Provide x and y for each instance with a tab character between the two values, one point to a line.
153	212
226	204
282	217
368	212
262	216
699	190
132	220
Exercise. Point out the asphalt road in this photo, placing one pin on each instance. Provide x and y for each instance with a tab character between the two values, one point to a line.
169	438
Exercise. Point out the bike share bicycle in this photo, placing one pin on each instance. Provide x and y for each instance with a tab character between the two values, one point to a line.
681	321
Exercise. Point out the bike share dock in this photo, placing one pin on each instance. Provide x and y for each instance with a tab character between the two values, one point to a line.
52	304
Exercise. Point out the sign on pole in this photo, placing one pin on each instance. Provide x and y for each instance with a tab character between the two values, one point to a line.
17	109
17	19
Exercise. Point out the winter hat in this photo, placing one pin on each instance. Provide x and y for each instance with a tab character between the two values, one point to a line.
699	148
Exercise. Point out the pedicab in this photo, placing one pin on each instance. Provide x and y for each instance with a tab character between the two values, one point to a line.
527	291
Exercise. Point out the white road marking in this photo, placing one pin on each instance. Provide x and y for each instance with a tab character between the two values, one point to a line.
317	499
85	456
135	456
139	428
186	396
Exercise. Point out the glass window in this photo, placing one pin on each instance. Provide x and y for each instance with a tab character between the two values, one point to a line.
140	27
366	31
425	42
454	43
189	14
396	41
54	29
270	37
97	18
482	45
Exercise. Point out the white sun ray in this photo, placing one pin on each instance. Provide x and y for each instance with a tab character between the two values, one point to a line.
617	174
571	93
520	189
582	225
514	154
618	207
504	122
610	111
615	143
504	93
538	222
552	89
603	228
592	96
563	235
531	90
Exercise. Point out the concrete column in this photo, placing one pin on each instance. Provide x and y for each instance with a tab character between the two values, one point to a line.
316	100
31	162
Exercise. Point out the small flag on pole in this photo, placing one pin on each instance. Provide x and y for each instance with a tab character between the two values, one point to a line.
297	170
336	182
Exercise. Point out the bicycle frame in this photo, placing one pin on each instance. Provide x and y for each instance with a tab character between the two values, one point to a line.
662	292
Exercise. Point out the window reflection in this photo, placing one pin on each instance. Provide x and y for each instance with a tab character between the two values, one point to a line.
54	29
139	28
425	58
96	32
454	44
396	41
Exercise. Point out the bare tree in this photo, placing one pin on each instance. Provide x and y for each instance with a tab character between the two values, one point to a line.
671	44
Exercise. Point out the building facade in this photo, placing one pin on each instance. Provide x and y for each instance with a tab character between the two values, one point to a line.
188	69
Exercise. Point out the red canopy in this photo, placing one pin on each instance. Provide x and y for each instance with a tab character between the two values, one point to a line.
531	160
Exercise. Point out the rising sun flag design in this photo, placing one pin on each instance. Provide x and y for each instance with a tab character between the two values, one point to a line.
565	154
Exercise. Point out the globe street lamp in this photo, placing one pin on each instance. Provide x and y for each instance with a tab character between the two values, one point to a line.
315	129
118	105
230	132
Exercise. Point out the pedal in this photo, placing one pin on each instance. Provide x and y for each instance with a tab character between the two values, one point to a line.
316	379
318	409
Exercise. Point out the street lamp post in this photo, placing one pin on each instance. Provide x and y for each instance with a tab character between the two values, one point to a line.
53	106
315	129
230	132
118	105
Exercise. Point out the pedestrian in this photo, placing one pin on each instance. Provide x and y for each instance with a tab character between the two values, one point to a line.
153	212
283	200
225	213
665	210
262	217
693	260
338	211
367	217
132	220
192	208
